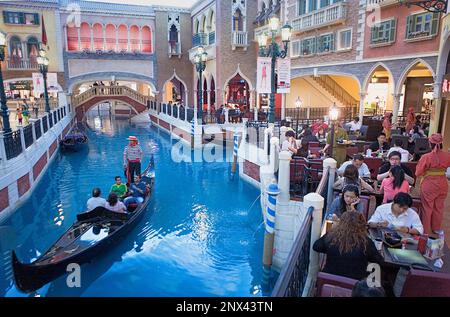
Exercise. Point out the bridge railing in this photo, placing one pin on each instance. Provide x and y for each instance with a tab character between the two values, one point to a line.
102	91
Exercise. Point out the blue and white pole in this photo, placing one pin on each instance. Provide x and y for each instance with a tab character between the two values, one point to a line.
272	193
235	152
193	132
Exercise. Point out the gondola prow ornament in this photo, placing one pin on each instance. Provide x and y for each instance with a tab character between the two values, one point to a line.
132	158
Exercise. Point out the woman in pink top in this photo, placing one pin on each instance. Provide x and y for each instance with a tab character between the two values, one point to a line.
394	184
113	204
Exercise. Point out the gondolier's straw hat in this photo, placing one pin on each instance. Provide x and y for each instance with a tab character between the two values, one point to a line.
132	138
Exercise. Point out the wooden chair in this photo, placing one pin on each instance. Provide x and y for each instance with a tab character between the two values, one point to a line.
420	283
336	286
418	207
313	144
404	139
422	146
412	166
351	151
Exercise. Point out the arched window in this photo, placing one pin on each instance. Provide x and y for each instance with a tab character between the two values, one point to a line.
204	26
32	50
197	26
98	36
238	21
134	39
111	37
85	36
72	38
15	49
146	35
123	38
212	90
212	22
205	92
173	39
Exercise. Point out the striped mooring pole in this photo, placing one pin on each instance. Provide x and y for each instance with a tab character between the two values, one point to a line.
235	152
272	191
192	132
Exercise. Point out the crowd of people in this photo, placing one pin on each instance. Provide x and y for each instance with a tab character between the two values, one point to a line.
396	188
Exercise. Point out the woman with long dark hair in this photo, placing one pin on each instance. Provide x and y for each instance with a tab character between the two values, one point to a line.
348	247
348	201
394	184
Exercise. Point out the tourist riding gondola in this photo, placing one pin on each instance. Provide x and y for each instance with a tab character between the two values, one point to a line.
91	234
74	140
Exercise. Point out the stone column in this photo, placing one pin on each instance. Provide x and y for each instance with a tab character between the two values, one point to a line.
331	164
22	138
317	202
283	107
208	94
396	107
274	159
362	100
437	104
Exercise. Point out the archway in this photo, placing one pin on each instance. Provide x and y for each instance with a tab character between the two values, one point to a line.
380	94
237	92
417	85
175	91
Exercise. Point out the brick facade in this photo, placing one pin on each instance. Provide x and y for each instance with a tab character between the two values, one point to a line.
23	184
351	21
167	65
4	199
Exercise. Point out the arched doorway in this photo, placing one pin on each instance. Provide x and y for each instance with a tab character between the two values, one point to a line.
237	93
380	95
212	93
174	91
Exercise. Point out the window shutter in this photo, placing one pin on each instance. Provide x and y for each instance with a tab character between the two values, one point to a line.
332	42
409	25
313	46
392	31
374	33
36	19
434	24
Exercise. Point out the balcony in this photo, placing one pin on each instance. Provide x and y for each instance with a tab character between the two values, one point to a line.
381	3
199	39
18	64
212	38
174	49
333	14
239	39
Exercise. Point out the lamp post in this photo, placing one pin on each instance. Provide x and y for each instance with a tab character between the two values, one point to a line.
273	51
4	106
43	68
334	114
298	107
377	103
200	59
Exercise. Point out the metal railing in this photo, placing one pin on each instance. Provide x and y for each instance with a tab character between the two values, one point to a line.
13	144
255	133
45	124
292	279
28	135
336	90
50	120
37	129
212	38
199	39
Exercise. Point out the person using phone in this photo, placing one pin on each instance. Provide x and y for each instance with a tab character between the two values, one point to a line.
348	201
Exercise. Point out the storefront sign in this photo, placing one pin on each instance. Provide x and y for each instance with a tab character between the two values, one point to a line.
284	76
20	85
264	80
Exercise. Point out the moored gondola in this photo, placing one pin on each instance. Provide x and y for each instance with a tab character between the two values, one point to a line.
89	236
74	141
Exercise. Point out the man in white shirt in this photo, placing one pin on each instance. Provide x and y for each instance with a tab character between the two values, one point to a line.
355	125
95	201
398	216
358	161
406	156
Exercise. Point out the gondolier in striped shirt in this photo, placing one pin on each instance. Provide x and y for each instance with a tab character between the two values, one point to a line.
132	158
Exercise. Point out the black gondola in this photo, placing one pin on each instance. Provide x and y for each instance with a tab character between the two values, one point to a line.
74	141
91	234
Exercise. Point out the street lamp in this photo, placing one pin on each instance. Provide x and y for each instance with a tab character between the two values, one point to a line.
43	68
200	59
4	106
275	52
298	106
377	102
334	115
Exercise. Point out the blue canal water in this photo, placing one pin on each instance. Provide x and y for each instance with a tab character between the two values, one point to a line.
201	235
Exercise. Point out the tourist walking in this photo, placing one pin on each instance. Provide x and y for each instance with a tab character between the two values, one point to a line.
431	171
